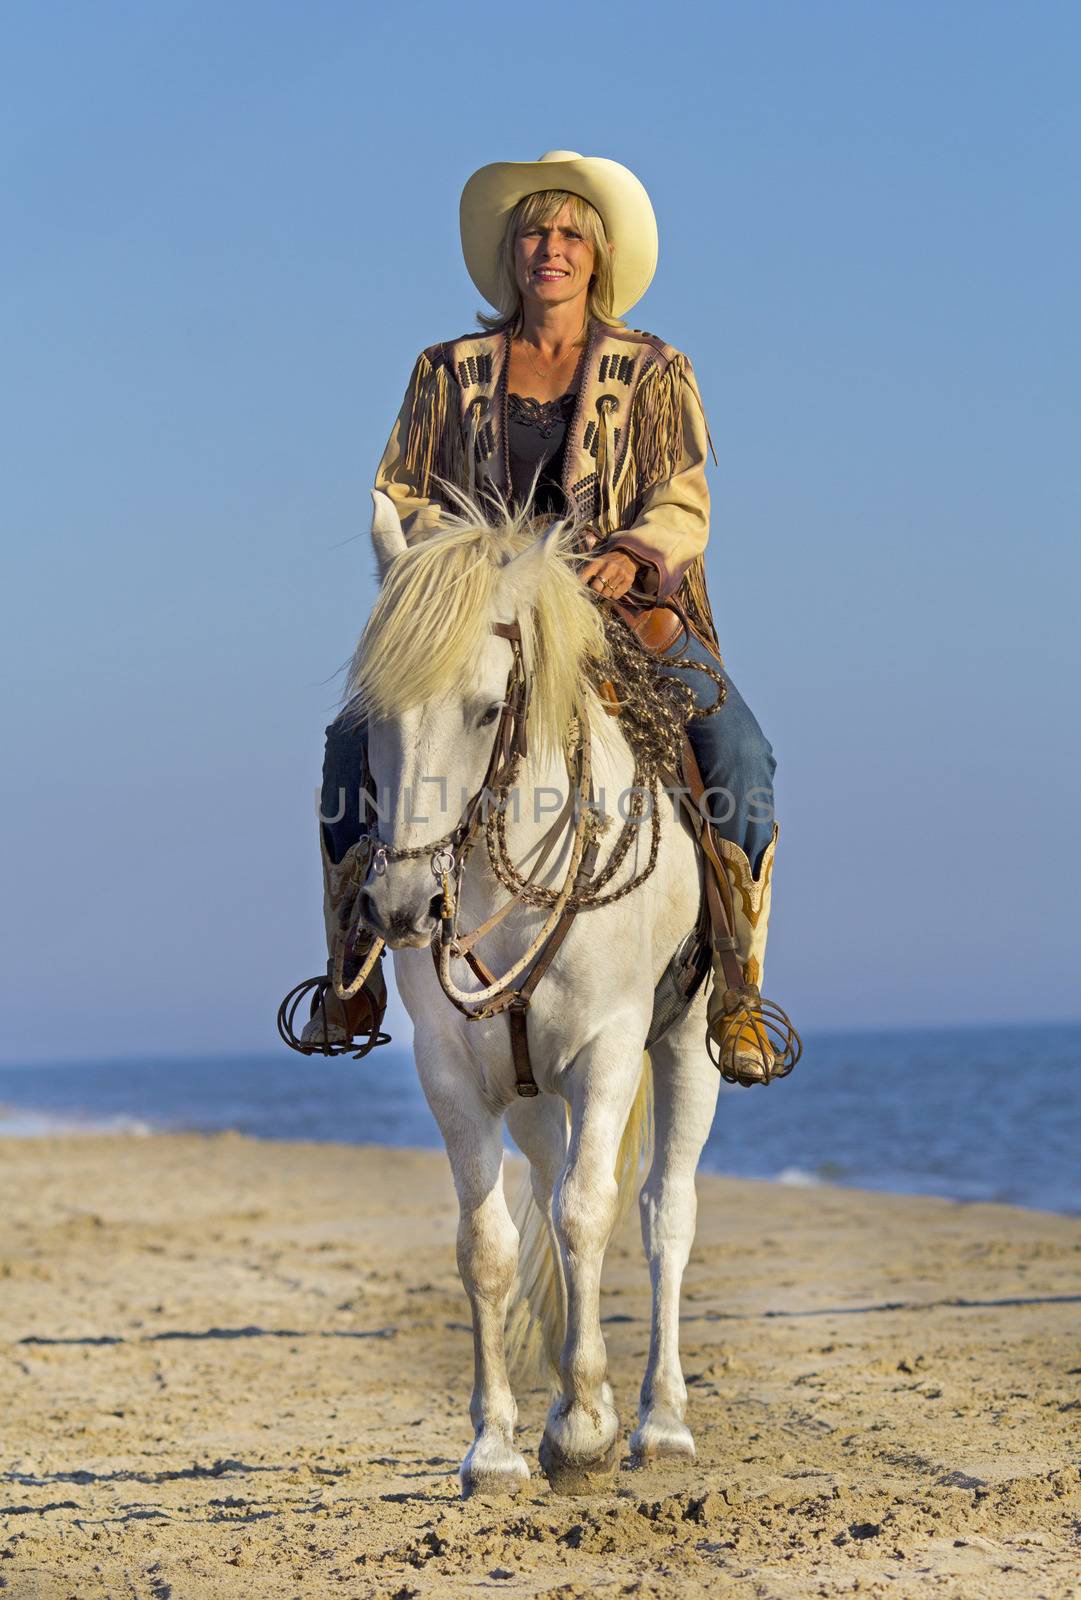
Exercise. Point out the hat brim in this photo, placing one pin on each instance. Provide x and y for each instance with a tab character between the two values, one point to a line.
493	192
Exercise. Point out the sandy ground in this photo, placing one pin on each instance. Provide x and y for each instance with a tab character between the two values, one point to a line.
234	1368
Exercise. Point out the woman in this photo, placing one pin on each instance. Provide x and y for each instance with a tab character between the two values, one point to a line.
557	399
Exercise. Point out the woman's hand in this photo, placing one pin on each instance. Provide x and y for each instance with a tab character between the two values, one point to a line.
610	576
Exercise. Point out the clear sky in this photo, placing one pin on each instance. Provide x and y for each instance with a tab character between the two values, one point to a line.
227	231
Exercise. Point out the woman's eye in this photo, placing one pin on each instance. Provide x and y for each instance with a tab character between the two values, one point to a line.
490	716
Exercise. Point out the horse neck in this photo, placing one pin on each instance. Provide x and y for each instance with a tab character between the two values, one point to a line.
543	787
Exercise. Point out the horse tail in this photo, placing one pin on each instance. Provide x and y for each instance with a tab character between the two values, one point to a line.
636	1146
537	1316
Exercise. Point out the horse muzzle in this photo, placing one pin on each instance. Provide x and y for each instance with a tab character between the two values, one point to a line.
402	924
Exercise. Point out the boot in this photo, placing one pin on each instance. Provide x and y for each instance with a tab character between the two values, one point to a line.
753	1038
335	1025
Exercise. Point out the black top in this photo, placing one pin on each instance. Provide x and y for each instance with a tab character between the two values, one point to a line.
536	438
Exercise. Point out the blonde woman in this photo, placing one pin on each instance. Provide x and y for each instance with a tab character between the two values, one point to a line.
559	403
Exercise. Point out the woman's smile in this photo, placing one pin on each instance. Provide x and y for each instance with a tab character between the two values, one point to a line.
554	255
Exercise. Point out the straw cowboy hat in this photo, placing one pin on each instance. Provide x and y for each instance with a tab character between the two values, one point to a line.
493	192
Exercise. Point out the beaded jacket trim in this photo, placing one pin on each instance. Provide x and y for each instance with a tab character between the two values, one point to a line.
625	434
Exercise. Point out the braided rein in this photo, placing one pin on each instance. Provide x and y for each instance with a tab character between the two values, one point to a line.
651	710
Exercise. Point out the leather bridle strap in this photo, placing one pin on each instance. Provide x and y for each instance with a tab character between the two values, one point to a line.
524	1081
516	1001
519	708
510	740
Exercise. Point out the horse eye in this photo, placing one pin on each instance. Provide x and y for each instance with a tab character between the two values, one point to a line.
490	716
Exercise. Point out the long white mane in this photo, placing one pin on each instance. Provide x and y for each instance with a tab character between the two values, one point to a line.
436	605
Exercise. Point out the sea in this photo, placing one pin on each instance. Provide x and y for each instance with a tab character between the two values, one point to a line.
972	1114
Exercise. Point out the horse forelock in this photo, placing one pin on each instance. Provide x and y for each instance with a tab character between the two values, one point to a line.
434	612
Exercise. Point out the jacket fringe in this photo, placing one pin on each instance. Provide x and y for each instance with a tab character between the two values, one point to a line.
655	446
434	447
437	452
695	599
654	453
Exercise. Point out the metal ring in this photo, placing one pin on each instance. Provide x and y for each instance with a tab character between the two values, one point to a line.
442	862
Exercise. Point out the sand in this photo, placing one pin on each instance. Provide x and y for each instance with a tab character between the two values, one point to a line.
240	1368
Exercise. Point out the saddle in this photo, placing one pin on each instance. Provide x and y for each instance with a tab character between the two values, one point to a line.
655	627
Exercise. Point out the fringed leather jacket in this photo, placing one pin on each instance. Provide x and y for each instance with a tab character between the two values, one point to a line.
633	463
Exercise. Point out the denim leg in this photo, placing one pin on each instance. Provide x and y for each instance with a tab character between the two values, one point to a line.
735	758
341	805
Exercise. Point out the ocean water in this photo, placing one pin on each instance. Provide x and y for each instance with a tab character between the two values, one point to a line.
972	1114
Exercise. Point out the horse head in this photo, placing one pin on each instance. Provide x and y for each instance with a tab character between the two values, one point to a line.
432	677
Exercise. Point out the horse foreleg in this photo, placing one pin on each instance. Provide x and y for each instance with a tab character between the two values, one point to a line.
580	1448
487	1261
685	1089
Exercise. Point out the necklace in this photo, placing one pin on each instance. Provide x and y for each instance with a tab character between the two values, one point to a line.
575	350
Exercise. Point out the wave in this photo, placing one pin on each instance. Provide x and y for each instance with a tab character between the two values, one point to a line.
798	1178
25	1122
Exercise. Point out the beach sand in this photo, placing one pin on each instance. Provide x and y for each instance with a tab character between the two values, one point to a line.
241	1368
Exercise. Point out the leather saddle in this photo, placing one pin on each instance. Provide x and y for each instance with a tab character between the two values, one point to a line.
655	627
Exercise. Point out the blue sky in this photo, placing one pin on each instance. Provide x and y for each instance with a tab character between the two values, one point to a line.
227	232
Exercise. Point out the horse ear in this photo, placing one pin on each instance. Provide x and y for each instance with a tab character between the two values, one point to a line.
388	540
522	574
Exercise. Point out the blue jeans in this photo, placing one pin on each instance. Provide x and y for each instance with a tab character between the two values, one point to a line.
734	756
733	753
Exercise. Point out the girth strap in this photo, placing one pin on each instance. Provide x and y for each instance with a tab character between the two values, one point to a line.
524	1081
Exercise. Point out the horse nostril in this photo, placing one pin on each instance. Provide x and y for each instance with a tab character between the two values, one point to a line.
435	906
367	909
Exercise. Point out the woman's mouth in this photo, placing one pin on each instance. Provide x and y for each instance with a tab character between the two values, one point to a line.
550	274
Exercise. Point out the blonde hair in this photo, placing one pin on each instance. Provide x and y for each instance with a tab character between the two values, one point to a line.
450	580
543	207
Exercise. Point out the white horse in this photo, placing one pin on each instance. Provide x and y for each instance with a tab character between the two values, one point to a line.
433	677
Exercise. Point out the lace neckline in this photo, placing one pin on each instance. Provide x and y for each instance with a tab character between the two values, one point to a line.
544	415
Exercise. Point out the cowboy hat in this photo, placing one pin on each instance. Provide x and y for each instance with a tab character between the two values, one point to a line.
493	192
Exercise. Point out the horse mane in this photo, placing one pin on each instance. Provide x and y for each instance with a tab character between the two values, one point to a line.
435	607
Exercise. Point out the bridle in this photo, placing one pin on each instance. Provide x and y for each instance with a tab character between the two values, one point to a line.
449	853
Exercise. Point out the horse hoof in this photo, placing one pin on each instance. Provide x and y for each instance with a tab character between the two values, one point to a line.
567	1476
661	1440
493	1469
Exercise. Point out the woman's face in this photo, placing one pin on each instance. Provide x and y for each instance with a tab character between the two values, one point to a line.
553	262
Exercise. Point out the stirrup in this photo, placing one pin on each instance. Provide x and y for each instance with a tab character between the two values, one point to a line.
780	1046
318	988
